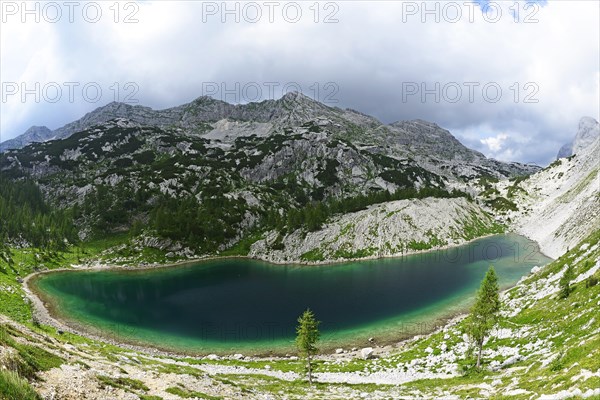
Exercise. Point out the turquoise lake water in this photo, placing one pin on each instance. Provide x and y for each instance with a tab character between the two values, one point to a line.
240	304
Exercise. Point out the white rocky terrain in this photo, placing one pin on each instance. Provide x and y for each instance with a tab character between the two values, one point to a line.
587	133
560	205
389	229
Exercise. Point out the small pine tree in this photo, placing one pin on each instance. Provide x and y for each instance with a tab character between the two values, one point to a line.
565	282
485	311
307	336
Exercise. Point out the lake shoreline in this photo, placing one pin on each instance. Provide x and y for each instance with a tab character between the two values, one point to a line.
45	313
107	267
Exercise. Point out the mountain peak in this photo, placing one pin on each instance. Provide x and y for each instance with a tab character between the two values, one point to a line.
37	129
34	134
204	99
587	123
292	95
423	122
588	131
111	105
298	97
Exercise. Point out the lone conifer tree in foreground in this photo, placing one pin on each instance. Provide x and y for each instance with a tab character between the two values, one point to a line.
307	337
485	311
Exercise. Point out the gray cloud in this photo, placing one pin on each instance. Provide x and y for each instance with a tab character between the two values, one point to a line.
373	55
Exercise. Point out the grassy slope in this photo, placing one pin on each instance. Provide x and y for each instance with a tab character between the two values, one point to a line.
556	341
29	260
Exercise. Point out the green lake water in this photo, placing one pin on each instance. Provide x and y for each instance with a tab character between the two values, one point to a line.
246	305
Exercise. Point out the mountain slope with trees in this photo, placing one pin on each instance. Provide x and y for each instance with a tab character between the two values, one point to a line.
211	176
120	183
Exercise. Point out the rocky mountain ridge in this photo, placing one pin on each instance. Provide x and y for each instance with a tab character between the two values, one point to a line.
431	145
560	205
587	132
120	172
31	135
293	108
438	150
211	173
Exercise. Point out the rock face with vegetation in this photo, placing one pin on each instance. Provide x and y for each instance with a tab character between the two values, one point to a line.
393	228
211	176
293	180
426	142
560	205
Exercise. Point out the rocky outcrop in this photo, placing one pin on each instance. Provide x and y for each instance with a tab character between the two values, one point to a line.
33	134
389	229
560	205
587	133
439	151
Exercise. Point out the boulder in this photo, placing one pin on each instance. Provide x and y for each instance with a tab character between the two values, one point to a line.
511	360
366	353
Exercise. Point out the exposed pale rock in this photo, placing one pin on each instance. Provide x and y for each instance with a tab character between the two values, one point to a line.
366	353
587	132
559	206
388	229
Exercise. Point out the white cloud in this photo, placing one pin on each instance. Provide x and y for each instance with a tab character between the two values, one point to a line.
495	143
369	54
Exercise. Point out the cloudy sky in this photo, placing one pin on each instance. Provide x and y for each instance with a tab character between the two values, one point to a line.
509	78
